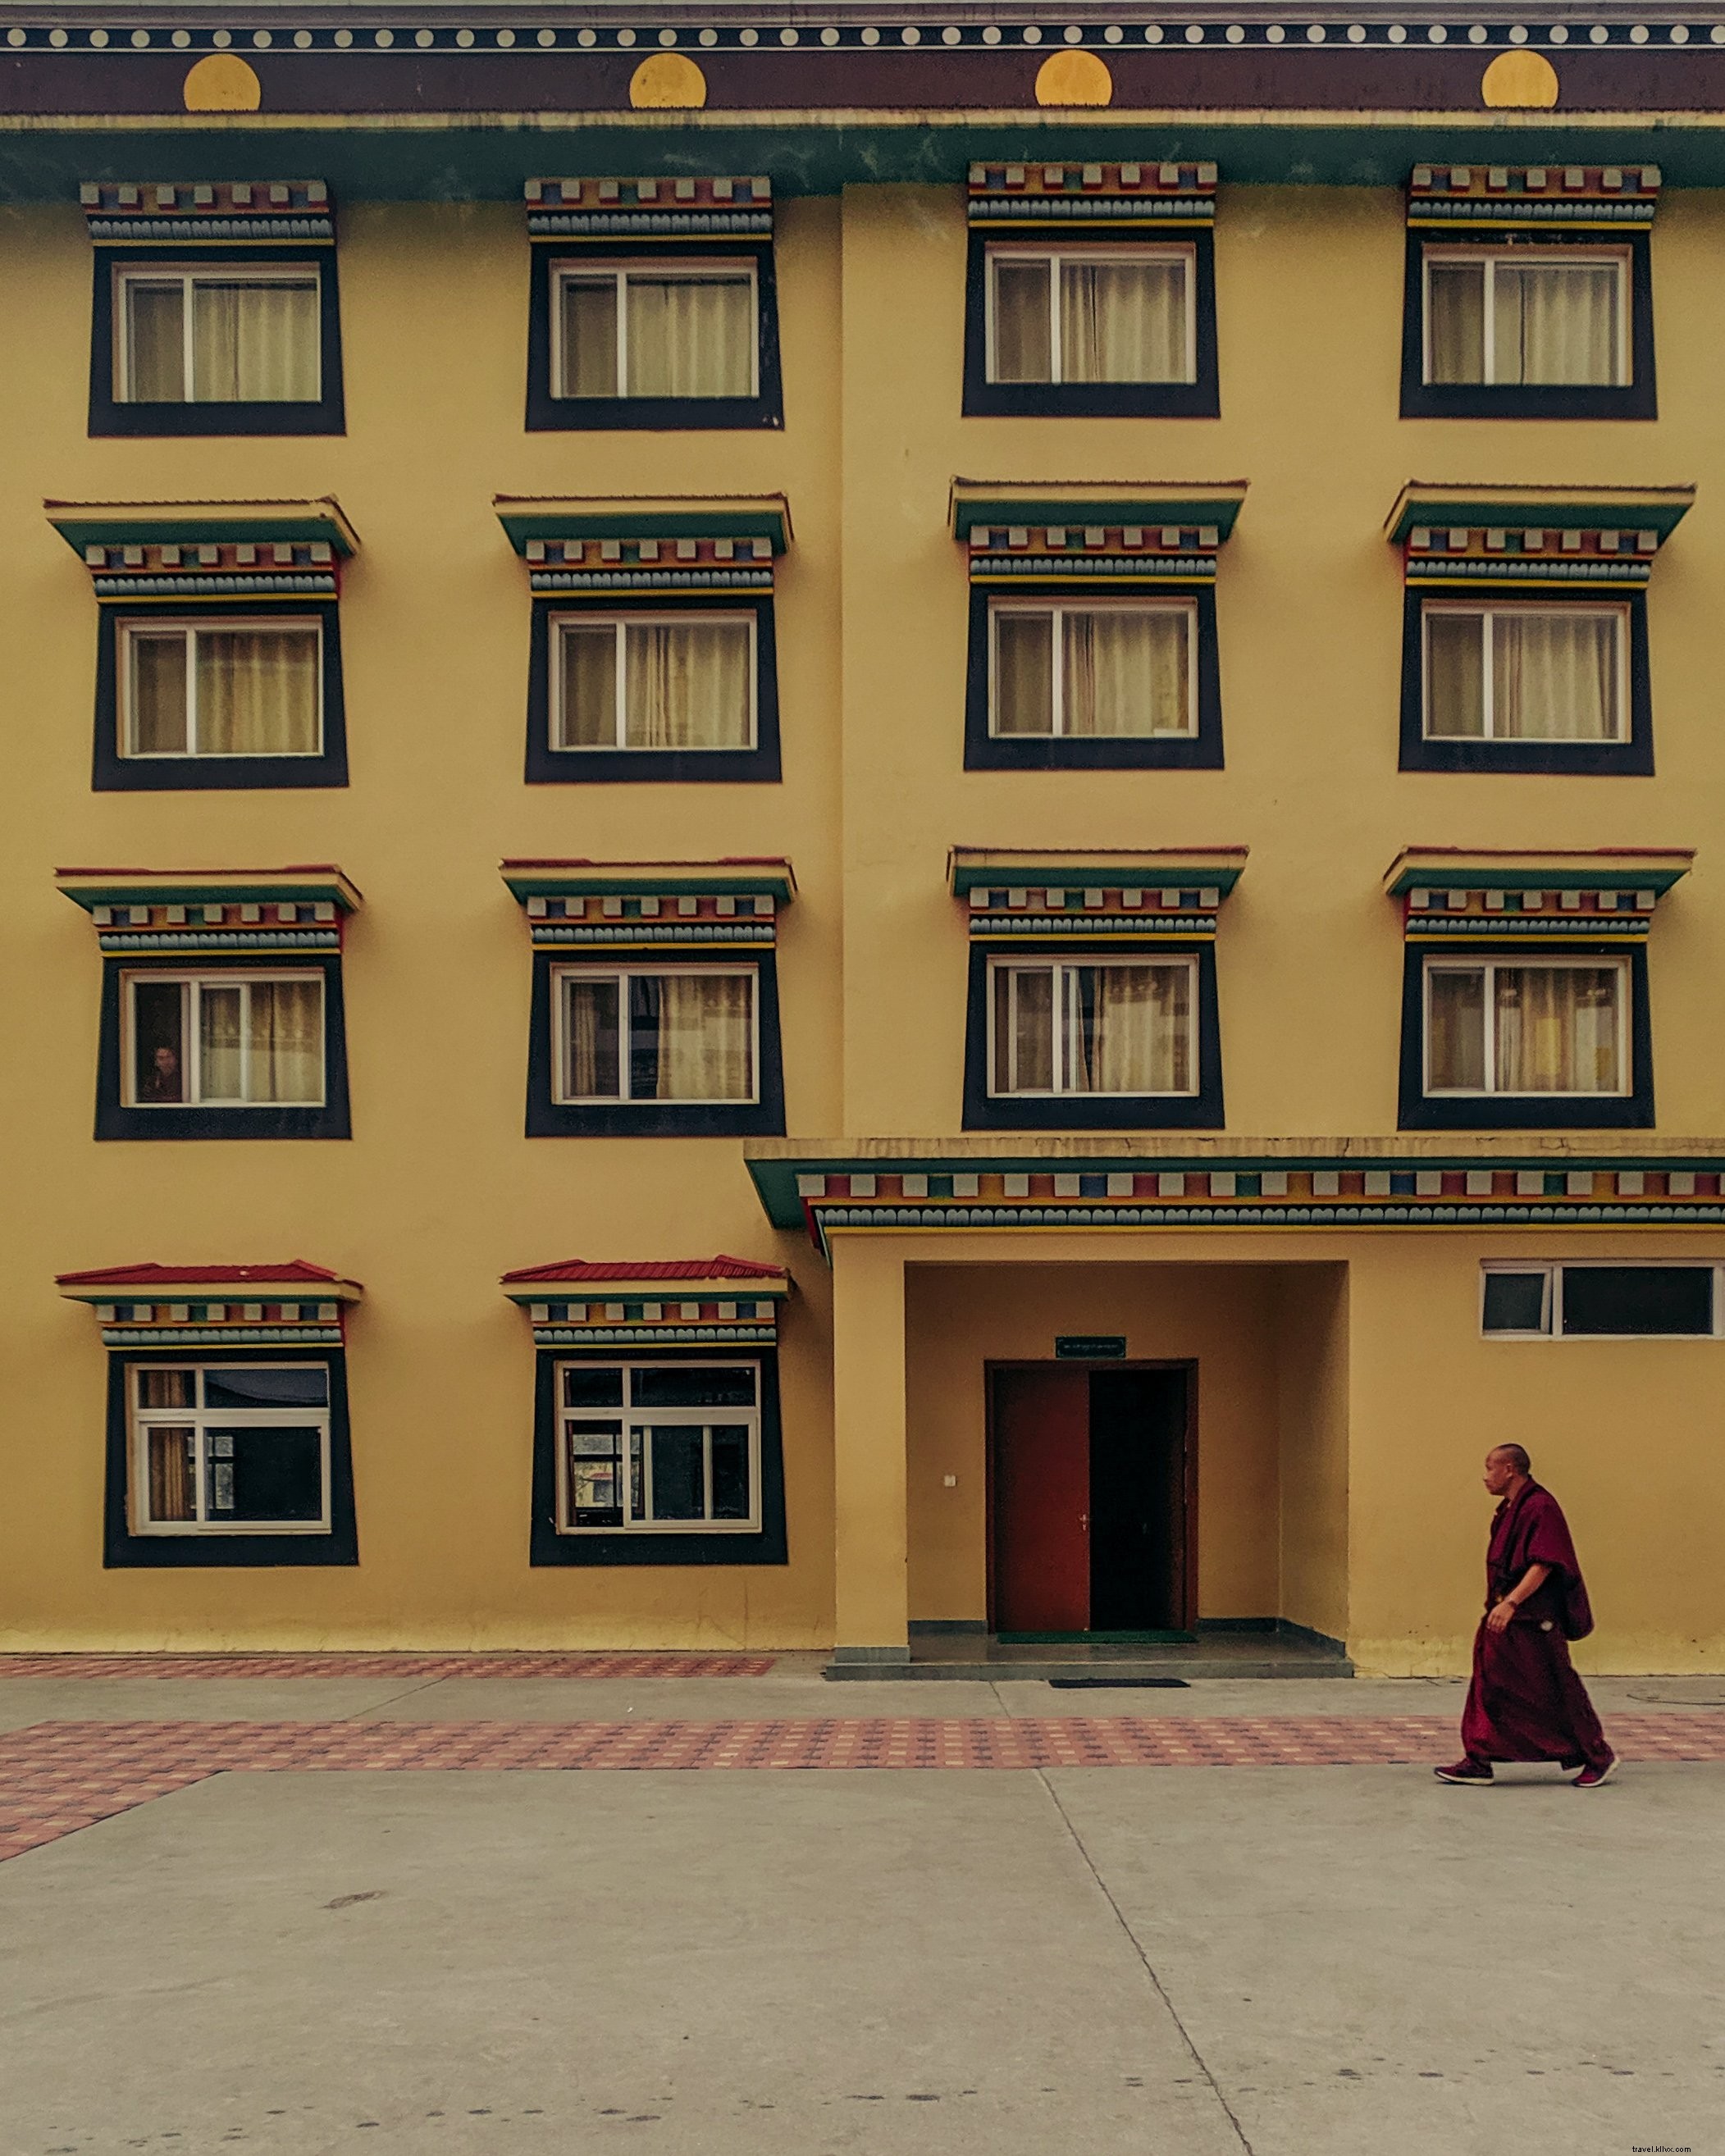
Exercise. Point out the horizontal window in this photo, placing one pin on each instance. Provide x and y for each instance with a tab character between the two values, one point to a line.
1078	315
1556	317
1522	674
1514	1028
681	681
1114	1028
1121	670
246	688
658	1447
218	336
1635	1302
686	1035
655	329
230	1448
222	1040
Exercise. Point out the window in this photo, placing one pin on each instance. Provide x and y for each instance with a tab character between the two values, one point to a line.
1120	669
1091	314
658	1447
644	682
202	689
230	1449
1526	673
1123	1027
684	1035
1601	1302
1553	317
223	1040
1496	1026
655	329
218	336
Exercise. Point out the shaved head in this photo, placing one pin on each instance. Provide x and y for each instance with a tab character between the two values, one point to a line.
1516	1454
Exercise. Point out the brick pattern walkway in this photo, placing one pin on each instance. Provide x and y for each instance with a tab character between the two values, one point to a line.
657	1664
56	1778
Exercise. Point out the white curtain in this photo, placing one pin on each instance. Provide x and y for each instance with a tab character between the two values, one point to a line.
591	1069
1555	323
1023	329
1024	1030
590	324
257	691
1455	1030
1123	322
1454	675
156	341
1023	672
1455	321
587	711
1128	1028
690	336
1556	1029
1126	671
686	685
705	1037
255	343
157	690
1554	675
286	1028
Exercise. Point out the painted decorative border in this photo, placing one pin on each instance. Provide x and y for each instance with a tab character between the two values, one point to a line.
1520	196
570	905
168	910
674	210
236	213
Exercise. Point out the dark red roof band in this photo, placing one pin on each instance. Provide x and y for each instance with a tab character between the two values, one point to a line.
294	1270
658	1269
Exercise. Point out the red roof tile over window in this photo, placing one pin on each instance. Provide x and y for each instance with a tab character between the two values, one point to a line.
295	1271
656	1268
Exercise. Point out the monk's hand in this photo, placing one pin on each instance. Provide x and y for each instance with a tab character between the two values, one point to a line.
1499	1618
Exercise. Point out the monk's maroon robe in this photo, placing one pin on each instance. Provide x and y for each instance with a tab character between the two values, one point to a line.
1526	1701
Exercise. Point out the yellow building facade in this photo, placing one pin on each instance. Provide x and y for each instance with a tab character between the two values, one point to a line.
1121	1078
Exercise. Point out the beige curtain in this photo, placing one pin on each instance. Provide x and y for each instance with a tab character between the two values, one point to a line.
1455	321
1123	322
285	1022
155	342
1126	671
1554	675
173	1482
589	339
220	1033
1454	675
255	343
1024	673
1556	1029
1024	1030
705	1037
1024	333
257	691
1555	323
587	713
1455	1030
686	685
157	711
1128	1028
690	336
591	1070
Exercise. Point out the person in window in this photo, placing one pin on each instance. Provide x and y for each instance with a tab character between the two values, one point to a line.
162	1079
1525	1701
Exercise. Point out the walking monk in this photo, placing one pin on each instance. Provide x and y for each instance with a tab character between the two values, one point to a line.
1526	1701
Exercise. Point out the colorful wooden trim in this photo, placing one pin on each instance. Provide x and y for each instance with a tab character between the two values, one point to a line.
183	1306
239	911
752	528
1496	198
1599	883
1123	886
1132	198
627	1309
157	550
1067	556
571	905
1140	520
1603	530
672	211
235	212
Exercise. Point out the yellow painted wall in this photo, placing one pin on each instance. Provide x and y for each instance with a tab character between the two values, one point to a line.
1313	1398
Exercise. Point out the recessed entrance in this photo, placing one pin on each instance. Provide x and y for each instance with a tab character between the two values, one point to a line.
1091	1505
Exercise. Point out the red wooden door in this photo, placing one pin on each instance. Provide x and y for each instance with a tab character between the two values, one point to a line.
1042	1500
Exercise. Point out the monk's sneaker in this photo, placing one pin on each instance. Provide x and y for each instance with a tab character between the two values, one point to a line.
1465	1773
1594	1777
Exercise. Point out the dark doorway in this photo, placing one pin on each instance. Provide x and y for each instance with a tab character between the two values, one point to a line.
1090	1500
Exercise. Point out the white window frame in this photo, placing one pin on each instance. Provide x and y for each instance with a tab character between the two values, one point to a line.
622	974
998	609
1553	1269
195	980
726	268
186	276
143	629
1062	966
1490	612
645	1419
1523	962
621	622
1183	252
200	1419
1520	258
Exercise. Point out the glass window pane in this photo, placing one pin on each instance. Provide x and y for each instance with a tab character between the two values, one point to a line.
1027	1034
1515	1302
687	684
691	335
158	1036
592	1386
255	343
1455	1030
1128	1028
1638	1299
592	1061
695	1385
219	1041
691	1037
172	1493
285	1024
730	1471
1124	672
1555	322
274	1475
167	1388
587	707
1556	1029
1554	675
1455	676
156	341
595	1473
259	691
1455	321
589	328
283	1385
1024	338
156	695
679	1488
1123	322
1024	673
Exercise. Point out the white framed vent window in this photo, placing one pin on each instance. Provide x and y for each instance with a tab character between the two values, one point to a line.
221	688
230	1448
687	1034
218	336
648	681
659	1448
1600	1300
1111	313
1121	668
1556	673
222	1040
660	329
1125	1026
1519	1027
1548	316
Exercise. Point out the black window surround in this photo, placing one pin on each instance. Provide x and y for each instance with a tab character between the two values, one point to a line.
123	1551
109	416
1420	1110
983	1111
114	1119
1638	399
547	766
1630	758
985	750
765	1545
112	773
550	415
549	1118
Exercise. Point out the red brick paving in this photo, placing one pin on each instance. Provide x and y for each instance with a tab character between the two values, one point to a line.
56	1778
595	1665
